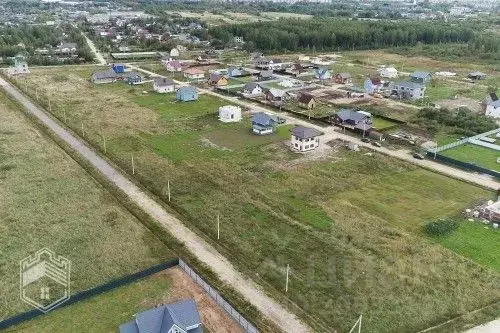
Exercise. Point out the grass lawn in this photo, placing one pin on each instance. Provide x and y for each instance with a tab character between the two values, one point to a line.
47	200
443	138
481	156
171	109
475	241
381	124
348	224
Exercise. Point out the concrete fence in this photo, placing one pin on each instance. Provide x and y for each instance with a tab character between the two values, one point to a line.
214	294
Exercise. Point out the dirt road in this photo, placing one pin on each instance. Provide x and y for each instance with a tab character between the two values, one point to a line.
491	327
98	56
284	319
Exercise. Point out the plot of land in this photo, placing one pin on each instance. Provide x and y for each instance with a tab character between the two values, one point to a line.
348	224
481	156
47	200
121	304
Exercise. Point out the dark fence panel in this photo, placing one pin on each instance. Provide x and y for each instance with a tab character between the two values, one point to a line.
18	319
463	165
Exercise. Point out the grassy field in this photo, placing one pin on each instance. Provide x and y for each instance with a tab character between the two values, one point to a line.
481	156
47	200
475	241
348	224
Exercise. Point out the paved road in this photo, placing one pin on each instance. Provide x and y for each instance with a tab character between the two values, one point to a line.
491	327
98	56
284	319
335	133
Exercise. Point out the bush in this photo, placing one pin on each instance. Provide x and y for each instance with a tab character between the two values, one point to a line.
440	227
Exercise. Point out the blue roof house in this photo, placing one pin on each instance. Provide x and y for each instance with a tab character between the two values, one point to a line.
323	74
421	77
186	94
182	316
234	71
263	123
118	68
133	78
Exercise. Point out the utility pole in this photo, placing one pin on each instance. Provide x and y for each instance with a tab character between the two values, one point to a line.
168	190
133	166
83	131
218	227
287	274
104	143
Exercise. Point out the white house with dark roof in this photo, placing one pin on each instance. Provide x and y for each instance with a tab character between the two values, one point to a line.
492	106
252	88
180	317
407	90
163	85
421	77
305	138
388	72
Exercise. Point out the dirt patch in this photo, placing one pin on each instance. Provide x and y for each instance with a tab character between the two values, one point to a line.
214	319
460	101
208	143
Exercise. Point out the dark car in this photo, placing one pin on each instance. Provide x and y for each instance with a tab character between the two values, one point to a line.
418	156
365	140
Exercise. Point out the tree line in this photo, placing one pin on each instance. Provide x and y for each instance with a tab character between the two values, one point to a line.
326	34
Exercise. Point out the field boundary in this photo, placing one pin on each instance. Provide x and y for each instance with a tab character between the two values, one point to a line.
462	165
134	277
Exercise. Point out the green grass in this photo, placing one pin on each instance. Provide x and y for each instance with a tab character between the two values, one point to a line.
172	109
481	156
475	241
443	138
47	200
348	224
88	316
380	123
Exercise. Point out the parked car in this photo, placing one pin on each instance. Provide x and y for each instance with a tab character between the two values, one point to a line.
376	144
418	156
365	140
281	120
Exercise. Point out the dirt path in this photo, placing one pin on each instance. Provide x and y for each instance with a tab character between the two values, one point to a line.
491	327
284	319
98	56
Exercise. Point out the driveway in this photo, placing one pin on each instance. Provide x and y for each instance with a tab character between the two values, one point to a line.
207	254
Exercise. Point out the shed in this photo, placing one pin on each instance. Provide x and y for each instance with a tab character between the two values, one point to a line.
118	68
186	94
307	101
229	113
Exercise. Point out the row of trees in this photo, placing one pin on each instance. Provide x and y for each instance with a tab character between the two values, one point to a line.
327	34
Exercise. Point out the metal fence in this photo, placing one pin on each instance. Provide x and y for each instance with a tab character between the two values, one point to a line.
215	295
463	165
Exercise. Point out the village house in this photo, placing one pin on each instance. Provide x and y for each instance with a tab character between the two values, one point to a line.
118	68
218	80
388	72
174	53
255	55
234	71
182	316
343	78
407	90
265	63
173	66
187	94
132	77
372	85
66	48
252	88
356	120
305	138
238	40
421	77
295	69
307	101
323	74
193	73
263	123
104	77
229	113
286	83
477	75
163	85
275	95
265	75
492	106
20	66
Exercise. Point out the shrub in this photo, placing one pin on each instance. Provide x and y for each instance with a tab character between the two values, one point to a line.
440	227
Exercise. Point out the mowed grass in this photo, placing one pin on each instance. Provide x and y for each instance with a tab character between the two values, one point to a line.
348	224
120	305
470	153
475	241
48	200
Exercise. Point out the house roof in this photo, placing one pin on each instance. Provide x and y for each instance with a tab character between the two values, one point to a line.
104	75
305	98
183	314
322	71
408	85
421	75
215	77
250	86
187	89
344	75
67	46
163	82
276	92
348	114
477	73
174	63
266	73
232	68
493	96
263	119
376	80
303	132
